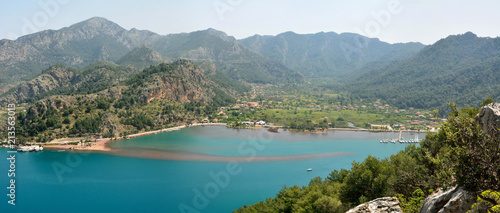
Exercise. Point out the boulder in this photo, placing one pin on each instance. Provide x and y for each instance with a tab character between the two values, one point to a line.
489	118
453	200
379	205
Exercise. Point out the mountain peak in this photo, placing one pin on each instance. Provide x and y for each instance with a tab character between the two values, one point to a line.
470	34
97	23
219	34
97	19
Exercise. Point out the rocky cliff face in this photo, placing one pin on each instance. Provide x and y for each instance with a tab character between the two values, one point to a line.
379	205
453	200
489	118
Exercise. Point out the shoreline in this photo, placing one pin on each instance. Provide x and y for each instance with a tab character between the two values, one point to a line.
102	144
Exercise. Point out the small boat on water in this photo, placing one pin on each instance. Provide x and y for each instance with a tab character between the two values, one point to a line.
310	169
33	148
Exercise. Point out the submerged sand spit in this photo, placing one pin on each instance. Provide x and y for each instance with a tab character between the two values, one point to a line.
184	156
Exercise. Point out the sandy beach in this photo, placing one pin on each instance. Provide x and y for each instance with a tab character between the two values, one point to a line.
101	144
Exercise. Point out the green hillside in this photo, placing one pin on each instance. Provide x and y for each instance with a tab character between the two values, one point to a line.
463	69
158	97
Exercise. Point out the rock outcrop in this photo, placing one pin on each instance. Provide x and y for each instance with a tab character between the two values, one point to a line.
453	200
379	205
56	76
489	118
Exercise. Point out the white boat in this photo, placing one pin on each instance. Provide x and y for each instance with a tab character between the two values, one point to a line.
310	169
416	138
38	148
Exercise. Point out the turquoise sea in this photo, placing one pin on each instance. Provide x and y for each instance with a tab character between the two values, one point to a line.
224	169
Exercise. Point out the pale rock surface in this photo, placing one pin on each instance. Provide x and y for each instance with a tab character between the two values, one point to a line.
453	200
379	205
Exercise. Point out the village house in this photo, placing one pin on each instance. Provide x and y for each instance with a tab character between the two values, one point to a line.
253	104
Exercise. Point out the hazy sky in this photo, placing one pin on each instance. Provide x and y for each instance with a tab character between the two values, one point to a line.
392	21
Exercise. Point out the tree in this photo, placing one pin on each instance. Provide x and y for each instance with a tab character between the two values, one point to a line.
487	101
366	181
477	154
66	121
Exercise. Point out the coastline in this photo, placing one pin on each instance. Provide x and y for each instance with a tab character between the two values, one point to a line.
101	144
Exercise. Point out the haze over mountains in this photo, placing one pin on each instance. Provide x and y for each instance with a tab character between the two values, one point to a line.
462	68
328	54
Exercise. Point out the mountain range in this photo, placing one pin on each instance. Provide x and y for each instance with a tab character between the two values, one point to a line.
100	39
460	68
328	54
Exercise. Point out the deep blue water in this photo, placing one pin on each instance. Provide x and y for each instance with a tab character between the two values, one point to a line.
52	181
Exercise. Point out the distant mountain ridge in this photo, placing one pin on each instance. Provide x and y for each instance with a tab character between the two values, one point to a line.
99	39
76	46
328	54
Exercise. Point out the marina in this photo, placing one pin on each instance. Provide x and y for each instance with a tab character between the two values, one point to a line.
400	139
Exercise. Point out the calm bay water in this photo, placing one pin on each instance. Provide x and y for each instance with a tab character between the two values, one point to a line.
52	181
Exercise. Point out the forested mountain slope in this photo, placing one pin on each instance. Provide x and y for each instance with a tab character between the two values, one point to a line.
464	69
